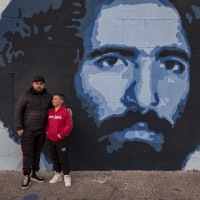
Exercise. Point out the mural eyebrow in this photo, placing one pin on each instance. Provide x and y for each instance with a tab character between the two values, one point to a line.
107	50
174	52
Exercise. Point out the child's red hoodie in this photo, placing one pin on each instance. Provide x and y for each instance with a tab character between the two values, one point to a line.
59	122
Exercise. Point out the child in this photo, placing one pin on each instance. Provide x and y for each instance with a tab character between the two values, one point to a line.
59	126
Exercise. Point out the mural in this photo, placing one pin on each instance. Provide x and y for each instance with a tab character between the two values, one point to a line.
129	70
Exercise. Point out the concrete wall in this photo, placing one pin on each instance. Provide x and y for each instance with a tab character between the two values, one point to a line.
129	70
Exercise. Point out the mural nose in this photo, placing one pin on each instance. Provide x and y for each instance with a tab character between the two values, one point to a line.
145	95
146	86
129	99
137	97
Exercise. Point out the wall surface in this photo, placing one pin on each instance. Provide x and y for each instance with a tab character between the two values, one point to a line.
129	70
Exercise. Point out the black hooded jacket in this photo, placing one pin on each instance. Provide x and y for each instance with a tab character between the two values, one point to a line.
31	110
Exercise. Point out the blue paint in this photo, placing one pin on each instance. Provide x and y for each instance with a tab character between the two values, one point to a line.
31	197
127	69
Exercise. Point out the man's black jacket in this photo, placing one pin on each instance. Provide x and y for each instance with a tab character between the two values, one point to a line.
31	110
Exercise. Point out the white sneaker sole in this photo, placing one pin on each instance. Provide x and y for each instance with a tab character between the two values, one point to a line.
33	179
23	188
68	185
55	182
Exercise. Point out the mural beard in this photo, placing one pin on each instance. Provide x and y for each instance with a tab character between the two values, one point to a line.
141	155
179	141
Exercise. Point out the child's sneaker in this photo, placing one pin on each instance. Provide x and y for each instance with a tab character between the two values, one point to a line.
68	181
26	182
56	178
35	176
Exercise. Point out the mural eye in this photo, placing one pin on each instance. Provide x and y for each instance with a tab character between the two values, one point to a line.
108	62
176	67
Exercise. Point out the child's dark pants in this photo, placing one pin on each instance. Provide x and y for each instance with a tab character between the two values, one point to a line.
59	155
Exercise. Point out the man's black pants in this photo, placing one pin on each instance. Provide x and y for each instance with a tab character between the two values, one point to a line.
59	155
31	144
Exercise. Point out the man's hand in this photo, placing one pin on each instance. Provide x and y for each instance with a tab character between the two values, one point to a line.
69	111
20	132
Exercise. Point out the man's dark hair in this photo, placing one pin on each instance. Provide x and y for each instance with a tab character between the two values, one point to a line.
39	79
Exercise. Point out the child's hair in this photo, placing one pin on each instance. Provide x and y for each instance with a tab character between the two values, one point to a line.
62	96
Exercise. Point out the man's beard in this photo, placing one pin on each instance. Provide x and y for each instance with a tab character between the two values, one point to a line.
38	90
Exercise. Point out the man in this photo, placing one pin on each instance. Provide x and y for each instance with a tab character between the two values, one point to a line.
134	82
30	121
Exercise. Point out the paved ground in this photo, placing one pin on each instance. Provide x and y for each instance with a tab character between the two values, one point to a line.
109	185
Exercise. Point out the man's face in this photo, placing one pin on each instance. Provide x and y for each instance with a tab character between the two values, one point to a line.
38	86
135	61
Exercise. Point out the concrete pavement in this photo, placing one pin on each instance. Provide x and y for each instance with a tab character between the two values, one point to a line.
106	185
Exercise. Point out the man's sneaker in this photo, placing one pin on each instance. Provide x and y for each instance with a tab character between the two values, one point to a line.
35	176
68	181
26	182
56	178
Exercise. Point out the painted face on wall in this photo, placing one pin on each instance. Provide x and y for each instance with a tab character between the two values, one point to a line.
135	61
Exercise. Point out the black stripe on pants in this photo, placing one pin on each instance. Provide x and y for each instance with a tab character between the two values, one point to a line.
31	145
59	155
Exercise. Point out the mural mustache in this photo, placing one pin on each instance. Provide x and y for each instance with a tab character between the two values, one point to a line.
136	127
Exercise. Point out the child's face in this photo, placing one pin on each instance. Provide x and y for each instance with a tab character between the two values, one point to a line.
57	101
